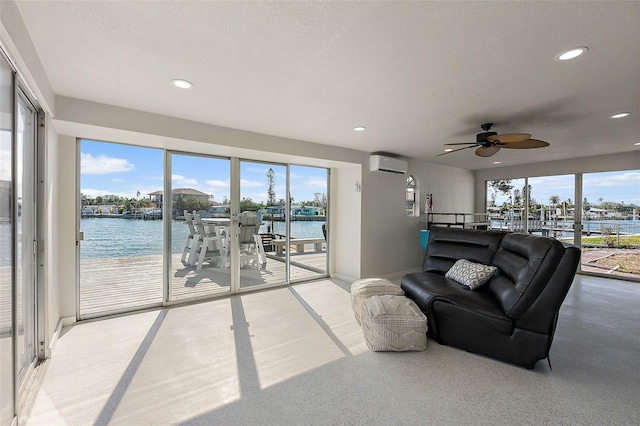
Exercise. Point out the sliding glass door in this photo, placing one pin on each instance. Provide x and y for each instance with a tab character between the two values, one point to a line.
7	221
599	212
158	227
120	218
309	230
18	241
262	225
552	206
200	210
610	238
24	205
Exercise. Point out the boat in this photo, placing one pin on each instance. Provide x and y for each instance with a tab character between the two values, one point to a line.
152	214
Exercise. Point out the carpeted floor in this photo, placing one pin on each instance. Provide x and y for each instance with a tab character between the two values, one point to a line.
295	356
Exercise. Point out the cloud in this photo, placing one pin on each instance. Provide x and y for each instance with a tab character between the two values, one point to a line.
310	183
182	180
264	169
631	178
250	184
257	197
218	188
102	165
90	192
217	183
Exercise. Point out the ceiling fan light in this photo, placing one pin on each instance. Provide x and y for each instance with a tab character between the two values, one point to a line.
621	115
571	54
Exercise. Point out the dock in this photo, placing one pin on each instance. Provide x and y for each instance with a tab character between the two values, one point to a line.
111	284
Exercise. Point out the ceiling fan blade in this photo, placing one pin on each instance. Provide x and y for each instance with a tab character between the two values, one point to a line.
455	150
488	151
529	143
509	137
462	143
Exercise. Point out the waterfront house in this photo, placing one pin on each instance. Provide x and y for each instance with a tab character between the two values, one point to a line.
157	198
316	84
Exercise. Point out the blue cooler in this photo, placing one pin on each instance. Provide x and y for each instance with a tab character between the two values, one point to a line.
424	238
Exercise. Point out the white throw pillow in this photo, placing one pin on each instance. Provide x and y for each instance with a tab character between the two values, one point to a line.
470	274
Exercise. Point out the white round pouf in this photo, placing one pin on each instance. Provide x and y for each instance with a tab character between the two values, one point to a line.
364	288
393	323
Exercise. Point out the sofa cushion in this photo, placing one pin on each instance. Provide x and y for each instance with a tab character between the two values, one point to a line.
424	287
447	245
470	274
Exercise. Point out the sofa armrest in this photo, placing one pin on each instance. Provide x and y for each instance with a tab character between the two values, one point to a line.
542	315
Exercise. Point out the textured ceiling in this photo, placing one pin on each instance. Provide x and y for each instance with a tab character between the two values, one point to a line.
416	74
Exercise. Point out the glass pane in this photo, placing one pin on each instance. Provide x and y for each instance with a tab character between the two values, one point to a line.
505	204
552	207
263	224
25	258
6	243
200	221
308	188
121	254
611	223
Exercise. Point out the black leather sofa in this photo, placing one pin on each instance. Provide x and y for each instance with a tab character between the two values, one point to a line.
513	316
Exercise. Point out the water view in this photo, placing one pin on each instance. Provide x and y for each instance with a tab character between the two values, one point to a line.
565	227
115	237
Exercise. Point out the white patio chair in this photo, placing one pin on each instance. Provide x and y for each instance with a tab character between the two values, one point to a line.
208	245
187	252
251	248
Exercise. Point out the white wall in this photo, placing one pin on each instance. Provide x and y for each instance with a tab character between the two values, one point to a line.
391	243
345	234
64	217
603	163
51	232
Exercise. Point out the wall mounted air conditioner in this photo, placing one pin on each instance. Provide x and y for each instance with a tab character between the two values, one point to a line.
382	163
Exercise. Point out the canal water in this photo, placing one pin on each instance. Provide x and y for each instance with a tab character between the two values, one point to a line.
115	237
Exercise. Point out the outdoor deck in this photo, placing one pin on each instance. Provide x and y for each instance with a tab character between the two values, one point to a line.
111	284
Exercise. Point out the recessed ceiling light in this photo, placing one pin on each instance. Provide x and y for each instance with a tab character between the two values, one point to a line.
448	150
183	84
621	115
360	128
497	162
570	54
637	144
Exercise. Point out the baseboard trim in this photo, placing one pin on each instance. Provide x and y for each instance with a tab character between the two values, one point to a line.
343	278
395	276
62	322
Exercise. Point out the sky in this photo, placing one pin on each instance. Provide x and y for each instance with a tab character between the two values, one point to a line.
623	186
108	168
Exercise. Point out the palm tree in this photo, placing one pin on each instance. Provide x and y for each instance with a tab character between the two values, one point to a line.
554	200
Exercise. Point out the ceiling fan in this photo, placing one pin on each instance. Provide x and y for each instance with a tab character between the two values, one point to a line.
489	143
